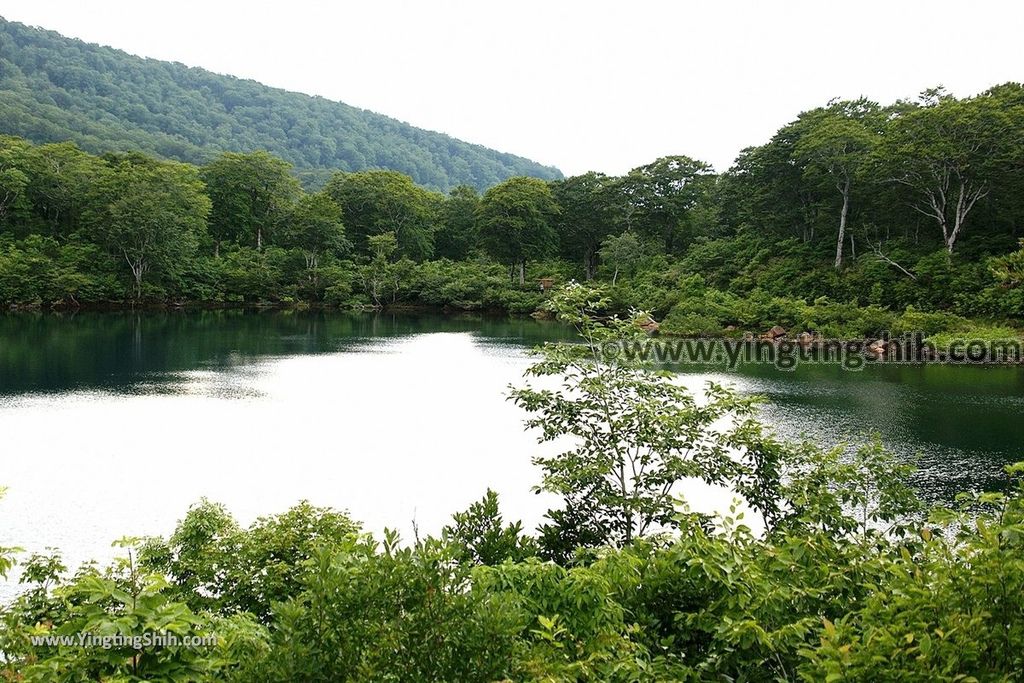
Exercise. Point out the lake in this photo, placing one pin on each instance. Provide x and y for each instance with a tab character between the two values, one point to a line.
112	424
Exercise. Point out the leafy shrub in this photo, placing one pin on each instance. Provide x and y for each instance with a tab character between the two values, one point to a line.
913	321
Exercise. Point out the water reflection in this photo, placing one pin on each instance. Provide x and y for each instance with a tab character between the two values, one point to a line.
126	351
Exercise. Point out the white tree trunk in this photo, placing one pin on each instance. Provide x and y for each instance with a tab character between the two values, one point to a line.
965	201
845	189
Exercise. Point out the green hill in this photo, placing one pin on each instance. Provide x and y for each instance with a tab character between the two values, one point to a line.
54	88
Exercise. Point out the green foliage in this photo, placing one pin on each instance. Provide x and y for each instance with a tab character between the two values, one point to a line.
703	311
457	234
214	565
466	285
123	611
1009	270
588	206
848	582
151	214
515	222
762	239
950	611
824	569
39	269
986	334
659	198
390	614
251	195
56	88
1005	298
912	320
379	202
315	228
623	253
480	536
948	154
6	554
636	433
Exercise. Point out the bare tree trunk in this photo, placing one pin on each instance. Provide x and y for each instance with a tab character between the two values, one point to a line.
259	239
877	248
615	275
138	268
965	201
842	223
938	201
522	273
590	265
374	293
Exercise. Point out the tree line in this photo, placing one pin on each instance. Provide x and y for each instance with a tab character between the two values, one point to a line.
913	204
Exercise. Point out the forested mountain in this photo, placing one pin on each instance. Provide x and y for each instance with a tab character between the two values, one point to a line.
54	89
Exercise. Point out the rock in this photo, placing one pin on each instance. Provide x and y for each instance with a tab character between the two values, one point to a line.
730	328
878	347
777	332
748	336
805	339
649	325
542	314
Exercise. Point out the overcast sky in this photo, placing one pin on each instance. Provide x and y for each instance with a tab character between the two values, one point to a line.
580	85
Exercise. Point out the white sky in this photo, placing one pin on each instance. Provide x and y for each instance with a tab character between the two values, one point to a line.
580	85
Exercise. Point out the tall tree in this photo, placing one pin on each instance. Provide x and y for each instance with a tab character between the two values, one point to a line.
457	235
516	223
379	273
623	253
659	196
587	206
14	153
61	181
150	214
948	153
836	143
252	194
315	228
766	192
377	202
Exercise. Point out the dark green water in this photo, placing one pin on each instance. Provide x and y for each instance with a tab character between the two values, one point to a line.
115	351
113	423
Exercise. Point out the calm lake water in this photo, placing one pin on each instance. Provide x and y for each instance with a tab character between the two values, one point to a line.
112	424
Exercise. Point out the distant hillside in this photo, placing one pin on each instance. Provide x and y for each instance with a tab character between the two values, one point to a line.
54	88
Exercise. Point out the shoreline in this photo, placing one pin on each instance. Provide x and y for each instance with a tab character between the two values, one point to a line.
152	306
915	347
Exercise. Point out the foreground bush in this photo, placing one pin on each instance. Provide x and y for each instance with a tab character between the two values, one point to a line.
819	596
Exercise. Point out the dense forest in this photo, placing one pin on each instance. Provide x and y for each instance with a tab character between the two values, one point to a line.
853	220
54	89
831	570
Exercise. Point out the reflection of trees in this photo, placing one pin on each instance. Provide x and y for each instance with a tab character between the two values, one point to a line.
58	351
